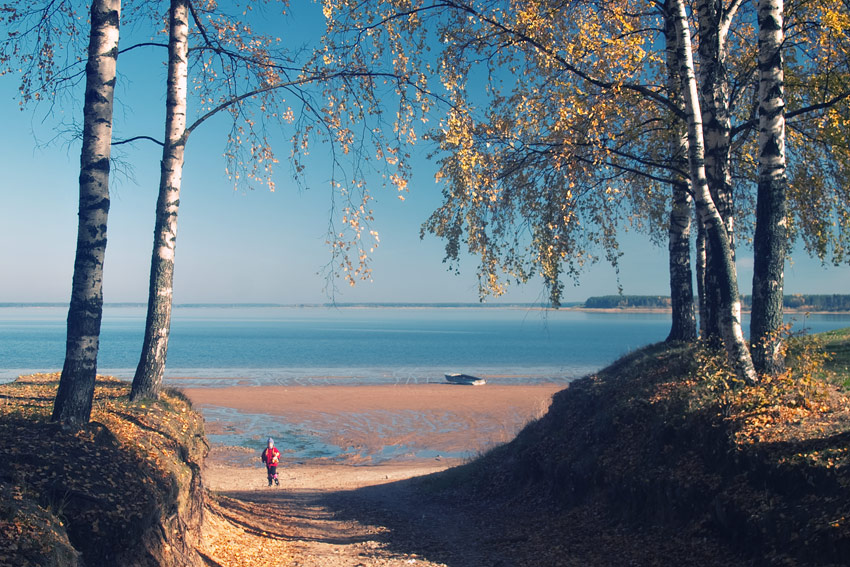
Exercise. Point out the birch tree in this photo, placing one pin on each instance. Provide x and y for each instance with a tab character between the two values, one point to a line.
240	74
722	262
803	152
76	385
523	148
148	378
542	146
713	23
770	236
54	53
683	319
816	59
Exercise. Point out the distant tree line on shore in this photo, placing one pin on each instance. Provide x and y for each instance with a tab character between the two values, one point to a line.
624	301
832	302
797	301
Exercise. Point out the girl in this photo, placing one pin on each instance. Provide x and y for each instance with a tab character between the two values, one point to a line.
271	457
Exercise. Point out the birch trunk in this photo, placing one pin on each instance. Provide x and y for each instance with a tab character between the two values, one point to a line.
702	258
770	236
713	25
73	403
683	318
147	381
683	325
720	263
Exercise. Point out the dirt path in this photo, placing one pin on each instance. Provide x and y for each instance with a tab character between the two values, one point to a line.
388	516
331	515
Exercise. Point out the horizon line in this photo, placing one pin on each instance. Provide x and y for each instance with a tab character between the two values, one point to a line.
302	304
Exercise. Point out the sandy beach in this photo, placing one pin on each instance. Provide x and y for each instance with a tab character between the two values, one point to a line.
386	434
372	424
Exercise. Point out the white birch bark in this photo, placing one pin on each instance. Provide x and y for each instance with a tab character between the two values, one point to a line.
721	263
683	318
147	381
714	20
74	397
683	325
770	236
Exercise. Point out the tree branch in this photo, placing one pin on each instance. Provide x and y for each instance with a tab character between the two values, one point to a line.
525	38
793	114
145	44
568	66
727	16
135	138
320	77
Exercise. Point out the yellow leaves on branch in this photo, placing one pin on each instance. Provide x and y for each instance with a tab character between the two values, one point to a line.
400	184
348	246
835	17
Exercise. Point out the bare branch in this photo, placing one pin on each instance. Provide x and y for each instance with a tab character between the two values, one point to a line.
145	44
135	138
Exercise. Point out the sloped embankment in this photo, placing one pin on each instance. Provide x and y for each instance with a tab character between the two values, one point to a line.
763	473
126	490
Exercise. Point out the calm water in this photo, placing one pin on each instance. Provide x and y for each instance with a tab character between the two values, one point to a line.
319	345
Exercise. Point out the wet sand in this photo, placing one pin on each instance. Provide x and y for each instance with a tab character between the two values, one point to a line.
381	423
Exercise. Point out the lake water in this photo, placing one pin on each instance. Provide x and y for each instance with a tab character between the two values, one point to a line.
322	345
222	346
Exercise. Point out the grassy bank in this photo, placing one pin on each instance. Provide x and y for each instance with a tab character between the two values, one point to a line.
837	345
661	459
125	490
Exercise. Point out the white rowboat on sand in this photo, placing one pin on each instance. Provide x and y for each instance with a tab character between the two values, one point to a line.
465	379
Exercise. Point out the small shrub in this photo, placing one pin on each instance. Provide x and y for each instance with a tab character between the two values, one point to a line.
801	385
715	380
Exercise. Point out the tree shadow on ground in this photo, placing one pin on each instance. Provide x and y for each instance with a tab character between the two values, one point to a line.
435	518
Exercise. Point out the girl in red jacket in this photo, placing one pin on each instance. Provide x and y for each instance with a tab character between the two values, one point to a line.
271	457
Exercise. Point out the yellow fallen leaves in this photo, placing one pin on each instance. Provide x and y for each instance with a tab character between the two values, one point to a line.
103	483
228	544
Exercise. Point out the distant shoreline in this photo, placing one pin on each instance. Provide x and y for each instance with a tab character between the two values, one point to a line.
573	306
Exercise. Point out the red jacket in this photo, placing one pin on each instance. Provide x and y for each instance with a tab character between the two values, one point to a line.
271	456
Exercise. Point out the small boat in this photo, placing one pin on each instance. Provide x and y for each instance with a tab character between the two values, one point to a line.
465	379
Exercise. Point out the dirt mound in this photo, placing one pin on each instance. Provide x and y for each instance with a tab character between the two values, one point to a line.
760	473
124	490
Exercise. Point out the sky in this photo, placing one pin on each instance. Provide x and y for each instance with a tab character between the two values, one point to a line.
255	246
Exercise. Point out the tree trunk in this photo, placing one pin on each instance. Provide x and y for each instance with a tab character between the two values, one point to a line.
683	326
73	403
720	263
713	26
147	381
701	259
770	236
710	299
683	319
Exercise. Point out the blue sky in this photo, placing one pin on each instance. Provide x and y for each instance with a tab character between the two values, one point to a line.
253	246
